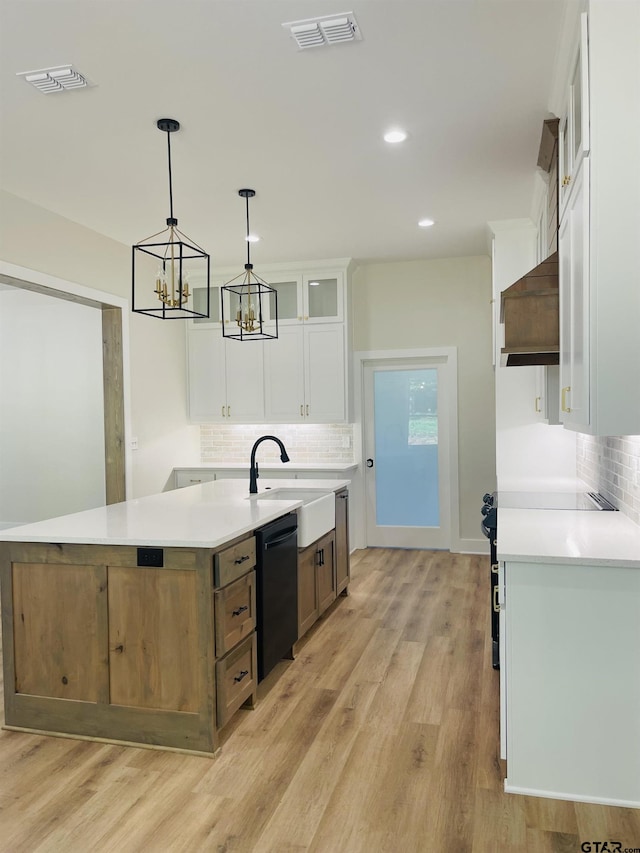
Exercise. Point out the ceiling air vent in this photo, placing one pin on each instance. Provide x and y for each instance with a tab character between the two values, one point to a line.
326	30
58	79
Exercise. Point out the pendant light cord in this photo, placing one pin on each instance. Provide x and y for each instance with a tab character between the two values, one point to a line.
248	241
170	181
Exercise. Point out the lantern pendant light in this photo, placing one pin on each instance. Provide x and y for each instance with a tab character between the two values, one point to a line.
178	287
249	305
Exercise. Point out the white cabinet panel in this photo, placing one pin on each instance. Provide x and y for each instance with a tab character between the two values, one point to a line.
572	688
225	378
244	381
574	305
284	377
207	391
324	368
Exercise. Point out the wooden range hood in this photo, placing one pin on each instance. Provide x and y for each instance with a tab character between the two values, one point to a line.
529	308
530	312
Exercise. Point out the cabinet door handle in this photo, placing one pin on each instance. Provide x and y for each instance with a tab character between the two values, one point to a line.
241	559
243	674
496	606
240	610
538	409
563	404
301	410
566	180
307	410
228	411
223	412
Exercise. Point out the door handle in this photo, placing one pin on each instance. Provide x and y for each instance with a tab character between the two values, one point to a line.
369	463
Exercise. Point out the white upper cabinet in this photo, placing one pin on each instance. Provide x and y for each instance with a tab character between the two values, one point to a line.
299	377
574	124
305	375
600	230
225	378
307	298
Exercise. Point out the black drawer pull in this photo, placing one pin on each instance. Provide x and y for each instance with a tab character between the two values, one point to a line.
243	674
240	610
241	559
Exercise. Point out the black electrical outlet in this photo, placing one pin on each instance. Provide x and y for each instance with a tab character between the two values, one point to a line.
151	557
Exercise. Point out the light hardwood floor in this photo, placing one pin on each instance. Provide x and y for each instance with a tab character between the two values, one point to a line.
381	736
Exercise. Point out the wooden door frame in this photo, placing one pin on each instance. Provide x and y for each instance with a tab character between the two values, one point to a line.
115	365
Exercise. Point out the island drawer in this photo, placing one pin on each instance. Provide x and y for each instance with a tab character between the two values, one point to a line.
237	679
234	562
235	612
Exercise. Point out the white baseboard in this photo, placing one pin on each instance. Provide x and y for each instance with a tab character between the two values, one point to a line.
471	546
575	798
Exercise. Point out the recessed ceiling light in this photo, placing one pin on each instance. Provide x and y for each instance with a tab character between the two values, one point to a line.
314	284
395	135
252	238
426	223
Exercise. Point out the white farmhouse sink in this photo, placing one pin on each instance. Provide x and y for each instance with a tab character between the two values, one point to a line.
316	516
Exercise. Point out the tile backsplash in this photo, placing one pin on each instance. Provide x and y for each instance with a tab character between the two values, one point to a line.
611	466
324	443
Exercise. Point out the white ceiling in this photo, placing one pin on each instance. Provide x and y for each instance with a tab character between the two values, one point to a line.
468	79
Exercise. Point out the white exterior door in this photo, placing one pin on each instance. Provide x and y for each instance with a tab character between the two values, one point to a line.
406	434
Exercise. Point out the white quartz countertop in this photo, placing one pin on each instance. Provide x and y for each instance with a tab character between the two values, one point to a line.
200	516
568	536
271	466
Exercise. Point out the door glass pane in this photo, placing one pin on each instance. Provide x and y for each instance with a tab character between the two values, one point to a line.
287	300
406	447
200	304
323	297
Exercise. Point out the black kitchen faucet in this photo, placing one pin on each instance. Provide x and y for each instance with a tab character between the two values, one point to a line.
253	468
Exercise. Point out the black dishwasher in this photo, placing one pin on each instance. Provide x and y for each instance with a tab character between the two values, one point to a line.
276	591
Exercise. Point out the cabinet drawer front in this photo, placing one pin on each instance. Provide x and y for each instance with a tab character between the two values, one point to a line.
235	612
192	478
237	678
234	562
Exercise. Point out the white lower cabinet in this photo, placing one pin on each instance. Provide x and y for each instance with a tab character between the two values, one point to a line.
570	683
305	375
225	378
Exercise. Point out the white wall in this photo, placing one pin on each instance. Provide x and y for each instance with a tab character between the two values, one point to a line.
38	239
417	304
51	415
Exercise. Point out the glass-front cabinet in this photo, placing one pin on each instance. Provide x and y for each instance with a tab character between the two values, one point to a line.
301	298
307	298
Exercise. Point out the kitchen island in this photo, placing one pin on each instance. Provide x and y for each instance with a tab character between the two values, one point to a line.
135	622
569	597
